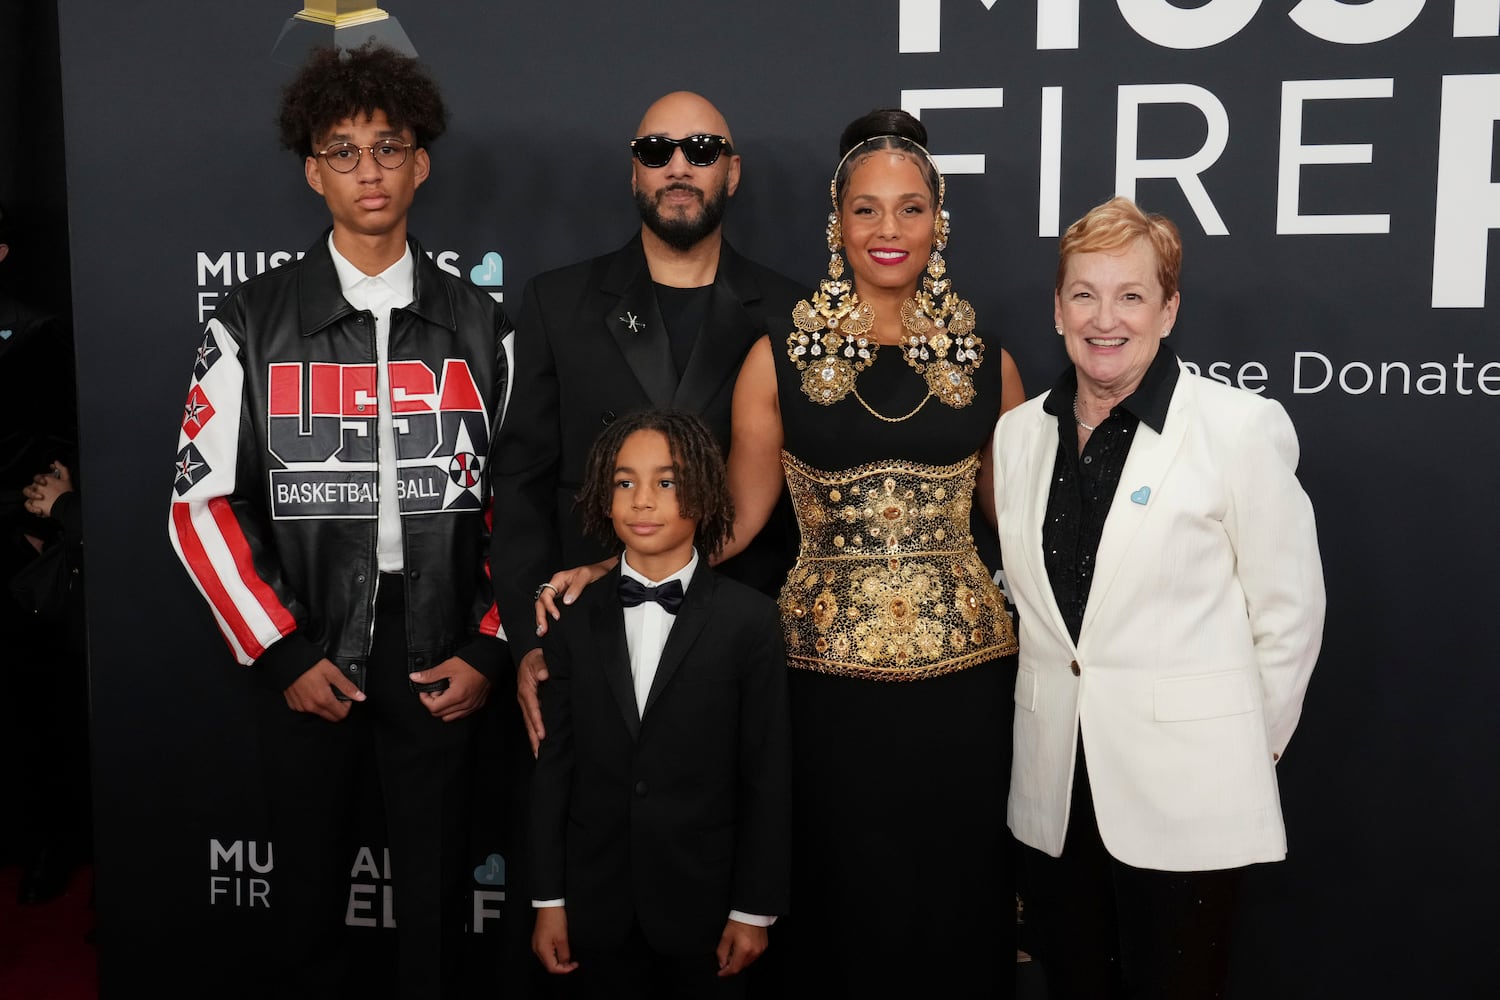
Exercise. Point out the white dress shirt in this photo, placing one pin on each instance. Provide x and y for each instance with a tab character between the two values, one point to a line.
647	626
379	294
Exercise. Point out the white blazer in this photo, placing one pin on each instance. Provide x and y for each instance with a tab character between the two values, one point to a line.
1201	630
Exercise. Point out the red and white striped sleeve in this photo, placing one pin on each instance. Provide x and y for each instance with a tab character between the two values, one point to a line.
215	536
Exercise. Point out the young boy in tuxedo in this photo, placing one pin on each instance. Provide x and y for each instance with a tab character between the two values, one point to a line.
660	805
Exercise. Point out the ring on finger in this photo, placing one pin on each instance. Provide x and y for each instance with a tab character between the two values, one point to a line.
537	594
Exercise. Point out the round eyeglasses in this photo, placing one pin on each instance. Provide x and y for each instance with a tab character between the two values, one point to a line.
344	156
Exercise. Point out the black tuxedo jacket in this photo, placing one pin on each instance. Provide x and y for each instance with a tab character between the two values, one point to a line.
578	366
676	816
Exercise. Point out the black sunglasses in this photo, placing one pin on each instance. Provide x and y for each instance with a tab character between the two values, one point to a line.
699	150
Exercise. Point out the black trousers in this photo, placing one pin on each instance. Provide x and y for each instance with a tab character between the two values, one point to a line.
636	971
315	771
1104	930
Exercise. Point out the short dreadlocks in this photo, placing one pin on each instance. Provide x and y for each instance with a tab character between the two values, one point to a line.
702	483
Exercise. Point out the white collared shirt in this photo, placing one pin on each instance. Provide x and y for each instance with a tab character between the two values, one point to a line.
647	626
379	294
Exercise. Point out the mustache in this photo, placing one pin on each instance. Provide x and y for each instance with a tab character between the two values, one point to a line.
679	186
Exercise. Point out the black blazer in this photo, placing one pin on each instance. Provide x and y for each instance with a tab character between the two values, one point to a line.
579	366
676	817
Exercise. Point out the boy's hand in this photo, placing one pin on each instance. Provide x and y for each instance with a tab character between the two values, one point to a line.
739	945
466	693
314	692
549	940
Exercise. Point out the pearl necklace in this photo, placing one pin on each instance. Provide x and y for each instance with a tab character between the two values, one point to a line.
1088	427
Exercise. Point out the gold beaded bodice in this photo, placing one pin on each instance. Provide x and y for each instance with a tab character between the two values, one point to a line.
887	585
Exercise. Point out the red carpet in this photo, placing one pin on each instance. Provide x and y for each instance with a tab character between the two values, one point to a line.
44	954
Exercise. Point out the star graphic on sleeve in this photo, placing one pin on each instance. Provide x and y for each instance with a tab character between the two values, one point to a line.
196	412
208	353
190	469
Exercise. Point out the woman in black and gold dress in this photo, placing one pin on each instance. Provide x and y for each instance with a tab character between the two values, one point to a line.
878	408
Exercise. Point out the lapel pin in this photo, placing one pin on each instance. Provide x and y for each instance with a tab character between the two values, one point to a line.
634	322
1141	495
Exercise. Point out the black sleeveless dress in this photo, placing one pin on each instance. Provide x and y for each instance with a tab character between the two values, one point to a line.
902	670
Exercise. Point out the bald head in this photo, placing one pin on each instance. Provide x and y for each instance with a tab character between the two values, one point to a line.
683	113
682	204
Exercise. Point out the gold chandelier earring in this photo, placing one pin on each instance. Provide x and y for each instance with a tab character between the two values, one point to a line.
831	344
938	322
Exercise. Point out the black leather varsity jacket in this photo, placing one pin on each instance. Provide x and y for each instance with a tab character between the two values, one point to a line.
276	483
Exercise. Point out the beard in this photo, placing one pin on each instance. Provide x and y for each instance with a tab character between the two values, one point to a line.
684	231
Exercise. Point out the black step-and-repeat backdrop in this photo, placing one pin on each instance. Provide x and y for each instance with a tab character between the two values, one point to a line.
1332	165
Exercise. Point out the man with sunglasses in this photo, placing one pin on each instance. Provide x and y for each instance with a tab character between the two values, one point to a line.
665	320
330	501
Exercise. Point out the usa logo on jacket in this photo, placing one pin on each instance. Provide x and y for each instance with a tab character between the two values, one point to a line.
322	426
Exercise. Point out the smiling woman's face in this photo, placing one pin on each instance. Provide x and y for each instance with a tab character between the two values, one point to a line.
1113	317
887	221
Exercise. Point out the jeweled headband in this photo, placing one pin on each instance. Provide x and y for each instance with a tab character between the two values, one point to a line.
833	185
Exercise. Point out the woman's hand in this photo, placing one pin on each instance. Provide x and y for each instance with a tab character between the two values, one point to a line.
532	670
45	488
565	586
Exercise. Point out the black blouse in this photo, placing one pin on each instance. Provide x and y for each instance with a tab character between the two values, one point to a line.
1083	486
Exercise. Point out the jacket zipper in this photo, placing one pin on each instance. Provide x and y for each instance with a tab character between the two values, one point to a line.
374	563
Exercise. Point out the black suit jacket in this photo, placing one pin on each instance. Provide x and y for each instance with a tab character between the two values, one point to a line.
579	366
675	817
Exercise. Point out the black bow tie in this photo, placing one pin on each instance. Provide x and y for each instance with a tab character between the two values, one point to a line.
668	595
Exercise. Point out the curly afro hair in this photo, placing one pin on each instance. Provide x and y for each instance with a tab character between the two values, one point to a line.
333	85
702	483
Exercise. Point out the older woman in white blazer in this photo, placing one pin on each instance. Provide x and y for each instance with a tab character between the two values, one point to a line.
1164	564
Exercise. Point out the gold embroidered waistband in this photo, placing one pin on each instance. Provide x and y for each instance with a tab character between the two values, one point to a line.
888	585
882	508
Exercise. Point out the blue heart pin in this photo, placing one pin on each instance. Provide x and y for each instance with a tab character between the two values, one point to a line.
1141	495
6	334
